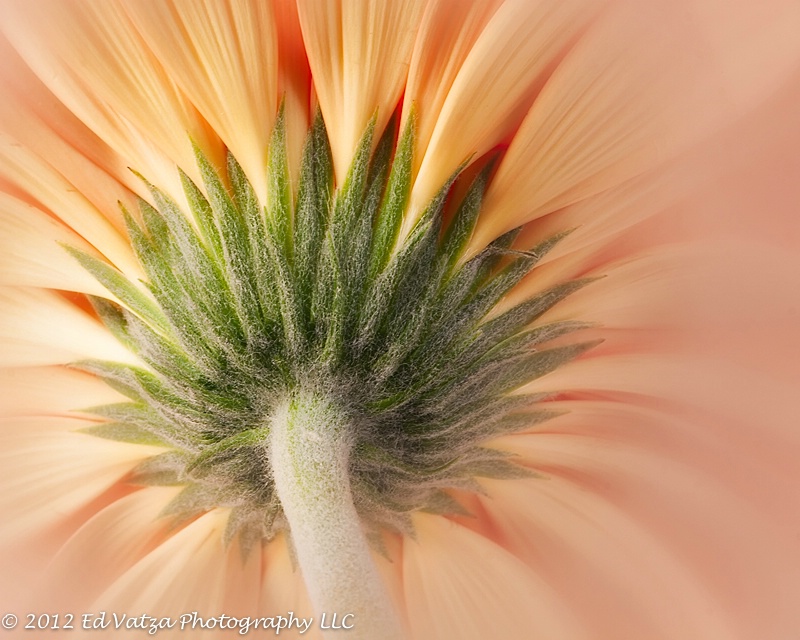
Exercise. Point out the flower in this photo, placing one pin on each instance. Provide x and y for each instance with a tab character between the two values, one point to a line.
660	503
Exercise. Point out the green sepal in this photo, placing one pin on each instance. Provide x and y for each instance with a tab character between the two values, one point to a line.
495	468
125	432
279	195
340	278
253	212
192	501
442	503
279	241
252	437
187	295
459	231
144	417
113	280
235	240
165	469
250	526
394	203
113	317
118	376
396	307
311	220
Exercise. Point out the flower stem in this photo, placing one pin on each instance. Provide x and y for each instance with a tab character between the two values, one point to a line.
310	442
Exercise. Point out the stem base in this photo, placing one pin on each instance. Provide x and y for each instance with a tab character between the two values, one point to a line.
310	443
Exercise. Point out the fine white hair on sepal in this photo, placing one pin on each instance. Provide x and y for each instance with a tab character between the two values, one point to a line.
316	292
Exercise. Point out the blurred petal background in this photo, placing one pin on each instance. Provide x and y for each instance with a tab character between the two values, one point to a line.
665	133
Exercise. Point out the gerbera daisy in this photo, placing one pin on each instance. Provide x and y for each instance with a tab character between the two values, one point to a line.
398	319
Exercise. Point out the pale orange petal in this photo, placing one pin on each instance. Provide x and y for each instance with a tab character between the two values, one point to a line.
51	391
389	562
40	327
106	546
174	574
44	125
50	190
496	84
447	33
461	585
598	558
183	574
243	577
50	472
740	57
359	55
294	81
606	116
590	129
93	59
224	57
708	491
30	255
283	589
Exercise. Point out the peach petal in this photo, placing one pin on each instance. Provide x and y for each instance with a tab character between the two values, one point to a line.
283	590
447	33
93	59
496	84
597	557
105	547
51	391
223	57
459	584
158	571
45	126
294	81
185	573
30	255
658	104
709	489
39	327
587	131
243	577
359	55
53	193
50	472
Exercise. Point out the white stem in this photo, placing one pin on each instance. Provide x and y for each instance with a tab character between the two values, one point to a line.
310	442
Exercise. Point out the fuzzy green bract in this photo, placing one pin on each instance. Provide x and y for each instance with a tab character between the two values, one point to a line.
317	291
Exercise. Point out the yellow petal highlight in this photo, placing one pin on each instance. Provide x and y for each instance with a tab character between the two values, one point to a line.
496	84
224	58
359	54
91	57
54	193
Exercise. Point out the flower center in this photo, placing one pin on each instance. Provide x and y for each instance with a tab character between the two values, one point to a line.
317	296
